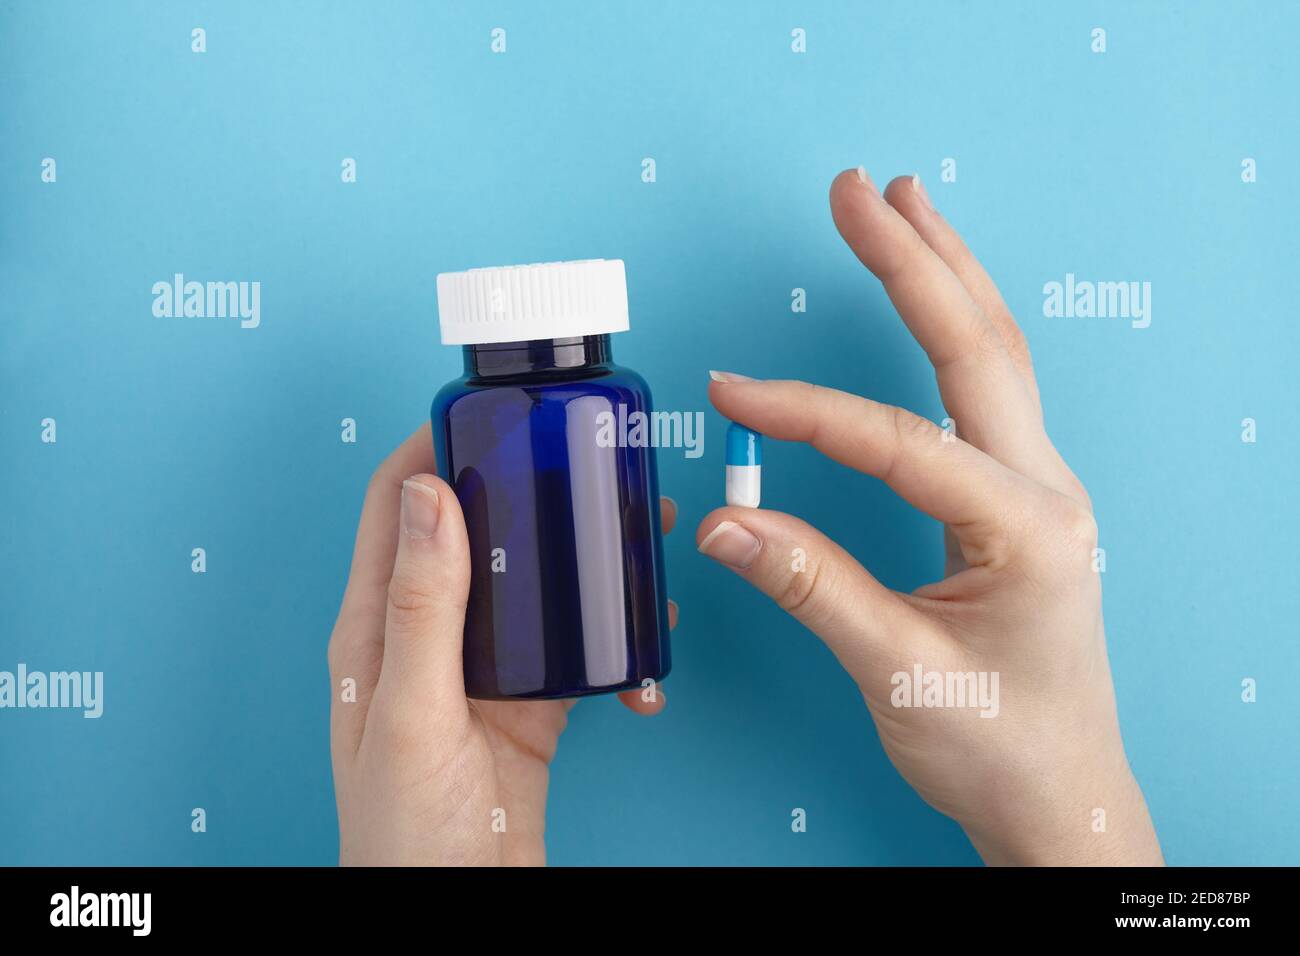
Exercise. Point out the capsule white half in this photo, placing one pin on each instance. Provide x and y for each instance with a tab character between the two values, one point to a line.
744	485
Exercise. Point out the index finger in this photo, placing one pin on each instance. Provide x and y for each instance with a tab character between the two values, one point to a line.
932	469
376	545
356	647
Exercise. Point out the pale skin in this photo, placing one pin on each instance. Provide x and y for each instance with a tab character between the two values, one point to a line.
419	770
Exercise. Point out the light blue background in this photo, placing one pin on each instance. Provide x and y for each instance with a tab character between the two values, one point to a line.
175	434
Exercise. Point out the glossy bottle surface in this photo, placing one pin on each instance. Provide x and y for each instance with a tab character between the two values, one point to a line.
567	593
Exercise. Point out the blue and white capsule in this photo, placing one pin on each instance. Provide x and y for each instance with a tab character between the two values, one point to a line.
744	466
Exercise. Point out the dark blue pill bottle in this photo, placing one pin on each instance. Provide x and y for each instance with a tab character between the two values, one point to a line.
560	496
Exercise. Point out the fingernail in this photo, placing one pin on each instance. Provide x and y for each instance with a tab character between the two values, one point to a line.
732	545
419	509
919	188
729	377
866	180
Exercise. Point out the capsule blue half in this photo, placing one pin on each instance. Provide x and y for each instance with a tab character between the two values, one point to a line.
744	447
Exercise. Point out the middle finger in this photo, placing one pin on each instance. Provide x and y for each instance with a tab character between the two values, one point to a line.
980	386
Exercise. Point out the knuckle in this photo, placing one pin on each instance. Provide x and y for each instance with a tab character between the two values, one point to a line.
405	730
815	397
1080	493
353	650
901	259
379	479
1071	521
1017	344
911	428
1069	533
986	340
408	596
813	394
335	655
345	647
336	649
399	730
804	593
1079	525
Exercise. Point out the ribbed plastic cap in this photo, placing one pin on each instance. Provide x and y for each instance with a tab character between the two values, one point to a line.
546	300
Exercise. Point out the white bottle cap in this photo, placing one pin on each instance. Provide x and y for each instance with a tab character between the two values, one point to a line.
546	300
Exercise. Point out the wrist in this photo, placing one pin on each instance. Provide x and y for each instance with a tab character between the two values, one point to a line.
1094	816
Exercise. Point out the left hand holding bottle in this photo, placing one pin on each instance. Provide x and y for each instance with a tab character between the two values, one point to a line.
423	775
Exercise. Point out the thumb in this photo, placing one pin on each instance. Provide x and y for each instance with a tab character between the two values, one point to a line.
812	578
425	621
